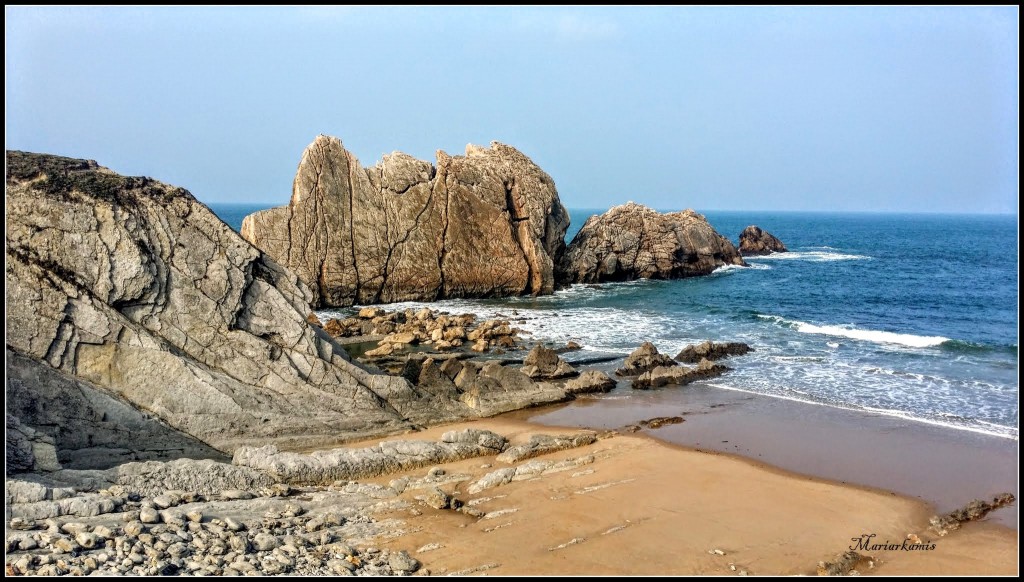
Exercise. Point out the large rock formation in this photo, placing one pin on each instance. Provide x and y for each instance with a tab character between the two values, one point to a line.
141	326
484	224
632	241
754	241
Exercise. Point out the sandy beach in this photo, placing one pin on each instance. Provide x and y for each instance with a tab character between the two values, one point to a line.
647	507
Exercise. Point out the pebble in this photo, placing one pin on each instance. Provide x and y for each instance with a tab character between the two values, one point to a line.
194	516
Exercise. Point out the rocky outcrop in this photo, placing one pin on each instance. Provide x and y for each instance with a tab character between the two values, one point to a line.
140	326
94	429
542	444
634	242
643	359
710	350
678	375
485	224
544	363
590	381
754	241
381	459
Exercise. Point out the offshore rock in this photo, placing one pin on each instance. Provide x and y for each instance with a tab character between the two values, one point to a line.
693	354
485	224
754	241
632	241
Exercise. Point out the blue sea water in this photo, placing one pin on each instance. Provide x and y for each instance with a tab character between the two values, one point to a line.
907	315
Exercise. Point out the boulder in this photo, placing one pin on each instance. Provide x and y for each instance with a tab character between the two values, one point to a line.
643	359
590	381
754	241
678	375
485	224
544	363
634	242
709	350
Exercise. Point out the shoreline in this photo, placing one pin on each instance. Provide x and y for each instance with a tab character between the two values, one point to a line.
646	506
942	467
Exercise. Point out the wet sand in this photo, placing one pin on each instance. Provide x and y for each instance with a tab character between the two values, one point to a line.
938	465
647	507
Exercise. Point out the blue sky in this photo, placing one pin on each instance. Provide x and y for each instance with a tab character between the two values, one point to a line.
862	109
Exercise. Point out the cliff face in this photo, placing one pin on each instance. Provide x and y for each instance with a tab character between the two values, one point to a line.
632	241
485	224
141	303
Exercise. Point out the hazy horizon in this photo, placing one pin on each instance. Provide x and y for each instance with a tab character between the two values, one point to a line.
878	110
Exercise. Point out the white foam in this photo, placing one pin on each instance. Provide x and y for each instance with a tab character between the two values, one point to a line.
730	268
868	335
871	335
989	428
812	256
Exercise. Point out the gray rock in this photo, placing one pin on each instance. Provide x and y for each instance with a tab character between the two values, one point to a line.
489	223
149	515
125	294
19	491
263	542
89	540
754	241
542	444
590	381
403	562
492	479
632	241
384	458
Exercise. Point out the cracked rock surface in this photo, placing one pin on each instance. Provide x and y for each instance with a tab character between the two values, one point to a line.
632	242
141	327
485	224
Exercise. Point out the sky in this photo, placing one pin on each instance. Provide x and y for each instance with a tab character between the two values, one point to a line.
847	109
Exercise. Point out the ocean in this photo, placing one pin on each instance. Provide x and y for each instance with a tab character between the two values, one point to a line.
909	315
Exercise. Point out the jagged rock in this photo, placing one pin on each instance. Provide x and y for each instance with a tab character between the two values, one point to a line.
382	459
693	354
19	491
142	294
974	510
140	326
590	381
437	499
484	224
632	241
754	241
541	444
660	421
494	389
842	564
544	363
678	375
205	477
643	359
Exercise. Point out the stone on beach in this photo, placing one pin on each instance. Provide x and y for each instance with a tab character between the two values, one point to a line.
643	359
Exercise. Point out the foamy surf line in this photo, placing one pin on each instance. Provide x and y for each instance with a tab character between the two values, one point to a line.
1000	431
814	256
867	335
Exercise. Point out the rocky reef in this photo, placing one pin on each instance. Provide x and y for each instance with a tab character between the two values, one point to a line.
632	241
754	241
485	224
